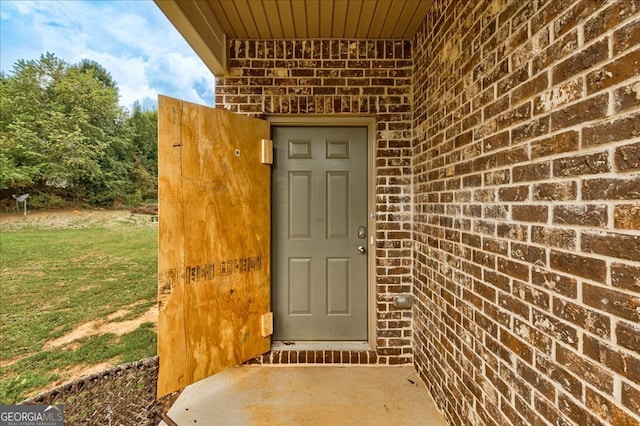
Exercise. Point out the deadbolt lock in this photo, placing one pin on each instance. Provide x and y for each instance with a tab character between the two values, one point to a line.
362	232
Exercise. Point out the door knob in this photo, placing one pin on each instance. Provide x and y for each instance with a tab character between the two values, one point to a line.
362	249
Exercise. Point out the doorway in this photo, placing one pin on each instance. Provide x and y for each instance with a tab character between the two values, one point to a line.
321	235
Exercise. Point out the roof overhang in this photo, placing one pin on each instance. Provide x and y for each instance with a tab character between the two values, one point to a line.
200	28
207	24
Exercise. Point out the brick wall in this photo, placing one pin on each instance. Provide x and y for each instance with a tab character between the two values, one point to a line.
526	268
317	77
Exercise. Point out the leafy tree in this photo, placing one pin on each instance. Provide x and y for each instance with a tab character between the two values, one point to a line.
143	126
62	133
23	119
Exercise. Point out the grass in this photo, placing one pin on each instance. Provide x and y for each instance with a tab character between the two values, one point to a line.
57	277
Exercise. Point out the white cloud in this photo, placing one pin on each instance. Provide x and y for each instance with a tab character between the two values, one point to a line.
130	73
132	39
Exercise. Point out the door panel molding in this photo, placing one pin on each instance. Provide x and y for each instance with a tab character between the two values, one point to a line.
338	182
338	286
338	149
300	189
300	272
368	121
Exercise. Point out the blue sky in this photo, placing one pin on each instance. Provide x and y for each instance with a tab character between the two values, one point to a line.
132	39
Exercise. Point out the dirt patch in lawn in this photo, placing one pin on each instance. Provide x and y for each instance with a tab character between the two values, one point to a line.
72	219
10	362
93	328
105	326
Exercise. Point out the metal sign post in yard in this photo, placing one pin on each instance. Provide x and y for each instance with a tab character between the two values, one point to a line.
22	198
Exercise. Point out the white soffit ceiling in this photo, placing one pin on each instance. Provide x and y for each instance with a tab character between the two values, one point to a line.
208	24
295	19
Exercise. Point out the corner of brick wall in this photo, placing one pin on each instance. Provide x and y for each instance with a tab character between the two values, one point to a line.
526	182
346	77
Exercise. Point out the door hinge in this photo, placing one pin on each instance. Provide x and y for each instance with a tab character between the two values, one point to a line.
267	324
267	151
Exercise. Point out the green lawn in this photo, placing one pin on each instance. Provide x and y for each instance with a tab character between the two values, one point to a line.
54	279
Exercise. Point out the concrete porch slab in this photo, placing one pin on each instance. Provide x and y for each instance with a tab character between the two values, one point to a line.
308	395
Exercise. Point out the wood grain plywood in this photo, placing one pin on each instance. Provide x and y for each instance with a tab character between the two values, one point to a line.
225	229
172	343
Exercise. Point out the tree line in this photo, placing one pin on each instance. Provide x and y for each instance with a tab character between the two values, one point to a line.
65	140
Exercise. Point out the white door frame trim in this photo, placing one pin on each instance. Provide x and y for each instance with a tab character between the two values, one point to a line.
368	121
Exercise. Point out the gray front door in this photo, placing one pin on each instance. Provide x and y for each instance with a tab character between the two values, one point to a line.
319	235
